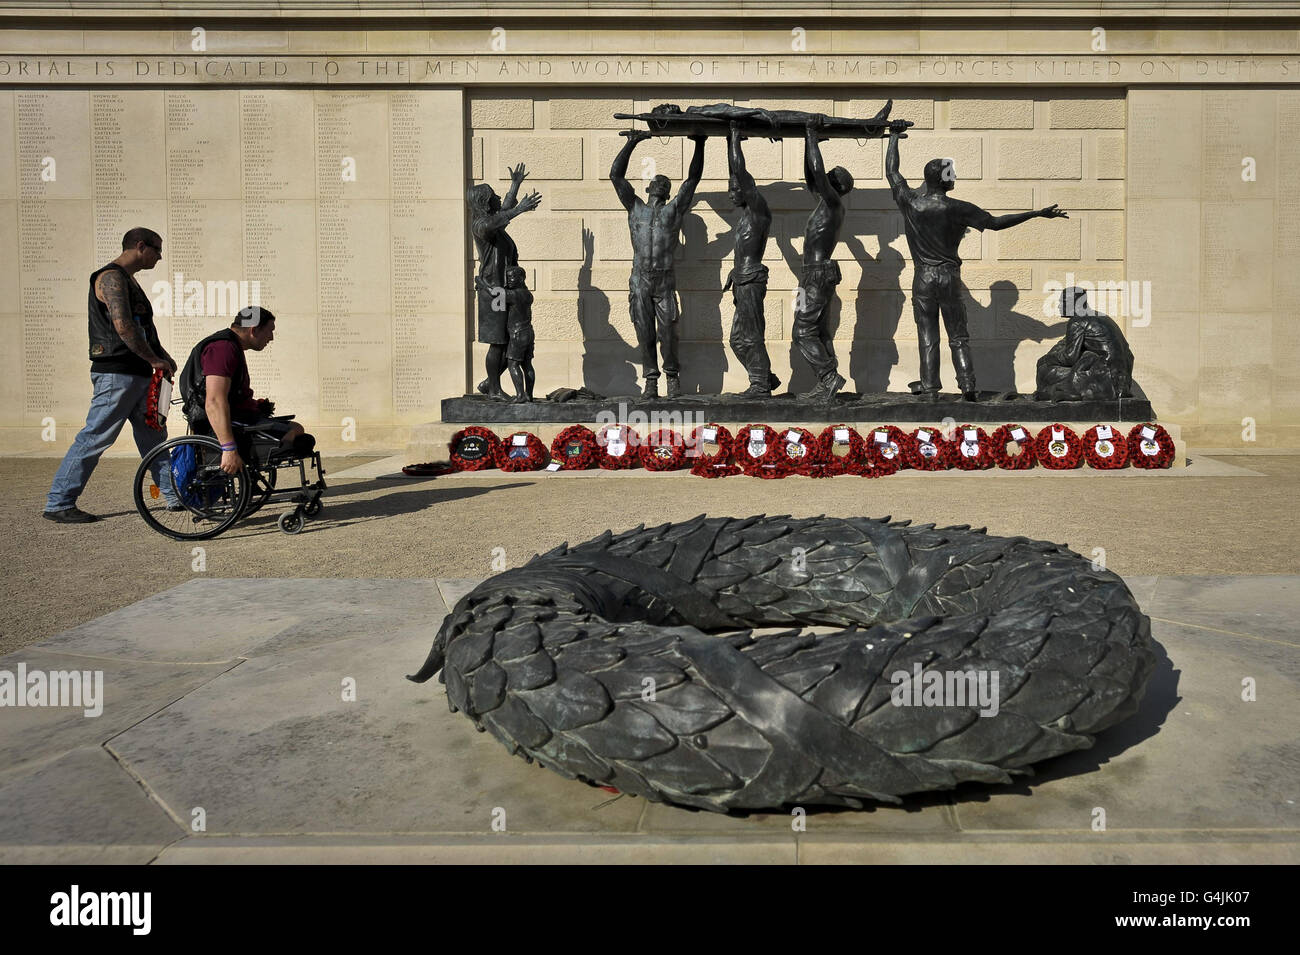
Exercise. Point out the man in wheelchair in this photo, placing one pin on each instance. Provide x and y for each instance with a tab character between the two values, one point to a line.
218	396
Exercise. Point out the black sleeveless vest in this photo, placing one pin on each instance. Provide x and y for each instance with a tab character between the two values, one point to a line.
108	353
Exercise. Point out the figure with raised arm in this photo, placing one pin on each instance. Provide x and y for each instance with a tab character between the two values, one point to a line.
656	227
748	278
821	273
489	216
935	223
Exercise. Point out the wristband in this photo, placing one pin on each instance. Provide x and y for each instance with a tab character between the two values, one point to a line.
230	447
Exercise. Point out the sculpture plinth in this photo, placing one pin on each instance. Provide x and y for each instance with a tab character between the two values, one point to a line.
880	406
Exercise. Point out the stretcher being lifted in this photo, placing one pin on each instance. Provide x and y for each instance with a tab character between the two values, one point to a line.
668	119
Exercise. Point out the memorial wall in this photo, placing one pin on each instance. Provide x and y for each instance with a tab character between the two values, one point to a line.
318	166
341	211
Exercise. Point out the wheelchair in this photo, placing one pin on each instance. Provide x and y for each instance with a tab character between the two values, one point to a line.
205	500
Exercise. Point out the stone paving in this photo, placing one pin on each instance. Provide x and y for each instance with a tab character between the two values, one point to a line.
225	737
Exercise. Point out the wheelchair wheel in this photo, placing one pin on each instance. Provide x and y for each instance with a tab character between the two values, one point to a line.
291	522
204	499
312	507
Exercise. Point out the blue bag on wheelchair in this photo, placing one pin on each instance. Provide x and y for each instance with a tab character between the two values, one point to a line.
185	462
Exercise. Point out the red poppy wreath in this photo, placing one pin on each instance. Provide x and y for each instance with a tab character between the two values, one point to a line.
617	444
1150	446
972	449
760	452
1007	438
706	463
663	451
522	451
1058	448
473	449
927	450
574	448
1104	448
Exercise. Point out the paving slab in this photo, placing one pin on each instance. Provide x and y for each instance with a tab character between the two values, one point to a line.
216	619
273	747
131	691
1263	606
1028	848
453	589
287	770
929	812
72	808
1195	756
502	849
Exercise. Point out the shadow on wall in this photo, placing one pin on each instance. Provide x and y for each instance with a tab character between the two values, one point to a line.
994	339
611	366
704	354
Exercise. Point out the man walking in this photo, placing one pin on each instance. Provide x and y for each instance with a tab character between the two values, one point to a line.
935	224
124	351
652	289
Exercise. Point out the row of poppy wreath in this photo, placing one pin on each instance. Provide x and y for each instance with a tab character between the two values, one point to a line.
711	451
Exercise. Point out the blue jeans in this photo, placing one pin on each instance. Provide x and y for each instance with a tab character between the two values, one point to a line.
117	400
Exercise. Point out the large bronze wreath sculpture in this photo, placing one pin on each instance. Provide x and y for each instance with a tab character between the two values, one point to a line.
629	661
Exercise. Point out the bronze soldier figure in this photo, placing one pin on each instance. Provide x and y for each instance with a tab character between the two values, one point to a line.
821	273
935	224
652	289
1093	360
748	278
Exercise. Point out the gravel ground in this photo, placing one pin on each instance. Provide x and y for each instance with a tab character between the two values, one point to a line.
58	576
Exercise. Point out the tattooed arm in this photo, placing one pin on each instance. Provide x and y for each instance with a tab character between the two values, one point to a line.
111	289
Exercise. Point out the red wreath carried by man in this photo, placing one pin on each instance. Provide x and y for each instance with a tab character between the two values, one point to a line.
158	400
1104	448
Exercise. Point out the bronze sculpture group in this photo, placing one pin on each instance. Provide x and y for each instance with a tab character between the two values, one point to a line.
934	223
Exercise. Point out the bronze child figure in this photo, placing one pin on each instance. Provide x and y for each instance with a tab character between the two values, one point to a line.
519	327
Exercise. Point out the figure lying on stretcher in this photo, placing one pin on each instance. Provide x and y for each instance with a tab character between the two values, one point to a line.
669	119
